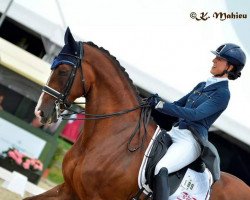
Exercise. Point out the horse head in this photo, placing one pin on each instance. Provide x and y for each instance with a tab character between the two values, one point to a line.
66	74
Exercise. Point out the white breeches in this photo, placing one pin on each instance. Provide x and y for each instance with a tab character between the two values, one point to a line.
184	150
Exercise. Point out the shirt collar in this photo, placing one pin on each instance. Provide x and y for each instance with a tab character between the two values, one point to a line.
213	80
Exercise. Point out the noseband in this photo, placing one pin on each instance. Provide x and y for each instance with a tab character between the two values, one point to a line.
61	97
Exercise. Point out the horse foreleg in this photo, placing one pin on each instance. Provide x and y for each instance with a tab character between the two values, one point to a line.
60	192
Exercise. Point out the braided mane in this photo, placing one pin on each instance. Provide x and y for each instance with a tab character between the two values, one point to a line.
119	65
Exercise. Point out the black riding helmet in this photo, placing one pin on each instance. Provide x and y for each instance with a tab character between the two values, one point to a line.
234	55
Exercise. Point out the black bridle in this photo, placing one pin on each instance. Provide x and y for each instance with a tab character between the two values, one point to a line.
62	97
62	100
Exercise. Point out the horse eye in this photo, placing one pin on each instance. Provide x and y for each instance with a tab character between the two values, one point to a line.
63	73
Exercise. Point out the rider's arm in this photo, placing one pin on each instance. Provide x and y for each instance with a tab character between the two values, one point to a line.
217	102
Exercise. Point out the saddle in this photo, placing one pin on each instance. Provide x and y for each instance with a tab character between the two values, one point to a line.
160	146
209	153
209	156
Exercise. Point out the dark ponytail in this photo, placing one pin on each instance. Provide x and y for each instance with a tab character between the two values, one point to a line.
234	73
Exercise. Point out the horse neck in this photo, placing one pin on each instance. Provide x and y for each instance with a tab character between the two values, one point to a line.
111	90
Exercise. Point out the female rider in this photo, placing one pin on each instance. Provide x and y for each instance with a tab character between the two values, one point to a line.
197	110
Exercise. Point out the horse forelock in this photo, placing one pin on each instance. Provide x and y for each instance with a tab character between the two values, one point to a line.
123	70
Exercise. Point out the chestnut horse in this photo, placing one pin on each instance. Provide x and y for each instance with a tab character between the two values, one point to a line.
104	162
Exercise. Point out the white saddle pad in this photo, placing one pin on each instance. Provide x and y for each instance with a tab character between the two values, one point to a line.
194	186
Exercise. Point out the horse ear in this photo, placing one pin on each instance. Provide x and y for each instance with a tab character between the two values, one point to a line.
69	39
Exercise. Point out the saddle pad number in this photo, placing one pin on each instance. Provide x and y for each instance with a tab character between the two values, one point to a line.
188	184
185	196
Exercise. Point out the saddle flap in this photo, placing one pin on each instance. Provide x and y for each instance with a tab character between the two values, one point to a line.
159	148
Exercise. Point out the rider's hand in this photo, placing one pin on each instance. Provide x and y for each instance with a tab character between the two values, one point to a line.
153	100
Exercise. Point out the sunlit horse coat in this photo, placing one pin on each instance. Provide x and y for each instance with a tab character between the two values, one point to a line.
197	111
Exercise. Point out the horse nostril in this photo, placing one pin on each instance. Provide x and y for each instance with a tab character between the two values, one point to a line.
41	113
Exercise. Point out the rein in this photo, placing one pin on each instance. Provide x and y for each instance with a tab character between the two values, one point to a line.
99	116
142	122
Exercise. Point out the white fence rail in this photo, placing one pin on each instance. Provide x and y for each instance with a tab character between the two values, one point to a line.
20	183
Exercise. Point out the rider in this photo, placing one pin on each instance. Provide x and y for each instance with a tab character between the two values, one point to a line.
198	110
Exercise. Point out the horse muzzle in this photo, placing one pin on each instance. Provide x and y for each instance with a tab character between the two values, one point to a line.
47	118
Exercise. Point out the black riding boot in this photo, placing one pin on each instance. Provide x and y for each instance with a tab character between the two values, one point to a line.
161	188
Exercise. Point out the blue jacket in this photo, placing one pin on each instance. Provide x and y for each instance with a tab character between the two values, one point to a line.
200	108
